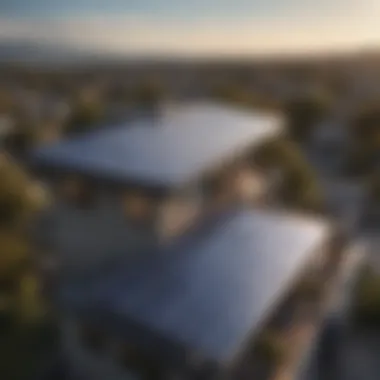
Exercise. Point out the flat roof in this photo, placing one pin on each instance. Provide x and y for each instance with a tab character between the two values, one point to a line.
211	292
177	146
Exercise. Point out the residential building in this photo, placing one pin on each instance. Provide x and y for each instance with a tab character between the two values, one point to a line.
242	296
125	190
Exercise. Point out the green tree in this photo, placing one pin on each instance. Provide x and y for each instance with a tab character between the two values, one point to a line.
22	138
298	187
6	102
232	93
374	186
303	115
18	196
364	142
149	92
366	299
86	112
19	200
237	95
270	347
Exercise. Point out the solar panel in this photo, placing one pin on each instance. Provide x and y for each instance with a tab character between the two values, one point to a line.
169	150
210	294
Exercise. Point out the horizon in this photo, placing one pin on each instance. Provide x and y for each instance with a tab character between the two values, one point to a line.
212	28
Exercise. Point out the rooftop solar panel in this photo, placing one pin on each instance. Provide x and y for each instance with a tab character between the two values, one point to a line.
173	148
208	295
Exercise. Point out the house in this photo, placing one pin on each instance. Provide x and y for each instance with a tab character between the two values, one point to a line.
218	304
125	190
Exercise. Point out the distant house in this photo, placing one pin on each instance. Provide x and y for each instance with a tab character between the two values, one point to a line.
124	190
331	139
218	304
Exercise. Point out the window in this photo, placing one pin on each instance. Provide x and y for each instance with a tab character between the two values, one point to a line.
92	338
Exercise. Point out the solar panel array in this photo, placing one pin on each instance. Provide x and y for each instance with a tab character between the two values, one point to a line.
211	293
164	151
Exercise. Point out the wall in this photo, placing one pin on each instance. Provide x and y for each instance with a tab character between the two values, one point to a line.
94	235
87	237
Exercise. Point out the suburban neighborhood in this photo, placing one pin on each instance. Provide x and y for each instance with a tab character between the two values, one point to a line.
188	218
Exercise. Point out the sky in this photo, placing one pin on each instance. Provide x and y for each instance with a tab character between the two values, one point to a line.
196	27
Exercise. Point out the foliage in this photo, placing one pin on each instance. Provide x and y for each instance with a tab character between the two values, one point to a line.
270	346
14	257
17	194
86	112
374	186
18	203
365	141
366	124
309	288
298	187
360	160
366	299
303	114
6	102
236	94
26	350
22	137
149	92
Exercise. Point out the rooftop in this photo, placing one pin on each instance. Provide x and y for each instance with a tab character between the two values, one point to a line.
180	144
209	293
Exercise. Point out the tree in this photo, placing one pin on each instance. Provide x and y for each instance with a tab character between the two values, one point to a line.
238	95
366	299
271	347
86	111
298	187
374	186
6	102
22	138
149	92
303	114
232	93
19	200
364	142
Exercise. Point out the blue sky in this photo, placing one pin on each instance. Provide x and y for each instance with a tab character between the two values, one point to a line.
186	9
194	27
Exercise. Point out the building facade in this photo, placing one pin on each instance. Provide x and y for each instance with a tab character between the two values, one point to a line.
127	190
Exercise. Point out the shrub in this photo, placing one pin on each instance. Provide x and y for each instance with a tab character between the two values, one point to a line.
309	288
303	114
270	346
366	299
298	188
